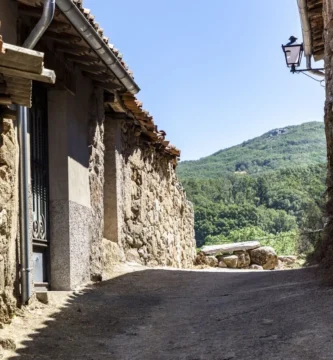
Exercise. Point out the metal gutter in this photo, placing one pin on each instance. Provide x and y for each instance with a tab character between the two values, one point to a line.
307	40
90	35
306	29
22	126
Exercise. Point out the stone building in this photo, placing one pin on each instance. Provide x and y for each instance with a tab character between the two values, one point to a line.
92	180
317	27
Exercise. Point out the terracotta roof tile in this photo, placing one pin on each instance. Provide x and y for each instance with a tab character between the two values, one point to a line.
131	102
148	126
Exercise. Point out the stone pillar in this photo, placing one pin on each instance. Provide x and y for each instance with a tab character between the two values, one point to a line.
96	181
113	251
70	203
112	186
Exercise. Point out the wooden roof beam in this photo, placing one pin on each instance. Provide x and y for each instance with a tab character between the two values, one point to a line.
107	86
75	50
47	76
22	59
83	59
63	38
104	77
94	69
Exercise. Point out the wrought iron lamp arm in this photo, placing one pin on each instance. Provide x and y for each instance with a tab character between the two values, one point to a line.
297	71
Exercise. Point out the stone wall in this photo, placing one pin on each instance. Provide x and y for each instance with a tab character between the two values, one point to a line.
96	181
324	251
8	218
153	222
328	13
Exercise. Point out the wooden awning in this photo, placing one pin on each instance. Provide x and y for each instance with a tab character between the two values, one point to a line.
18	68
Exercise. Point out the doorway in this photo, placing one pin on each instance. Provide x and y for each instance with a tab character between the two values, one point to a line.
40	186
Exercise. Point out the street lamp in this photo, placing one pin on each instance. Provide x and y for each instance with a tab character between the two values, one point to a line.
293	53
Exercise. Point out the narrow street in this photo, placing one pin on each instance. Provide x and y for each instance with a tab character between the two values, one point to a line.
184	315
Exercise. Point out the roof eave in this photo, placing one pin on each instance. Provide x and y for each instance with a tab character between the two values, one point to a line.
90	35
306	28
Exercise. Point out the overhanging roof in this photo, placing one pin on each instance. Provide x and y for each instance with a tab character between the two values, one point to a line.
75	50
312	21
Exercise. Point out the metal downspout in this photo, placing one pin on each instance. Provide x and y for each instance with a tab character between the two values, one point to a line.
22	125
307	41
90	35
309	67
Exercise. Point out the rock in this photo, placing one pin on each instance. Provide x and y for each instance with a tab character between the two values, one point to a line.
212	261
220	257
230	248
280	265
8	344
288	260
264	256
112	253
244	260
132	255
222	264
231	261
256	267
202	259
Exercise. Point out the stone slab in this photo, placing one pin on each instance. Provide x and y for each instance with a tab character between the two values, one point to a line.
229	248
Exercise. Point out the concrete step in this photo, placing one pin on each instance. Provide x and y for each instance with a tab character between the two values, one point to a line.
55	298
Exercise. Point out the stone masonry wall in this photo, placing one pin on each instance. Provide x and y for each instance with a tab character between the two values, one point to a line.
8	218
96	181
325	247
155	222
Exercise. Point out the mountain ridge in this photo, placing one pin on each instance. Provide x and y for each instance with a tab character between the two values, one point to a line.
290	146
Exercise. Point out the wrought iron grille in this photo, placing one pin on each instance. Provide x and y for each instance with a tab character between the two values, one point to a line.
39	166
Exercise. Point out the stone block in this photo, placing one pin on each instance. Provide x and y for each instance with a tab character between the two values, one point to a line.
230	248
264	256
231	261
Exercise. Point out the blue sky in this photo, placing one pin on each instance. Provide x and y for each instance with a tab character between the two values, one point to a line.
212	72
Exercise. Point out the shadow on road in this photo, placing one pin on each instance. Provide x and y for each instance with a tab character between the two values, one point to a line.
185	315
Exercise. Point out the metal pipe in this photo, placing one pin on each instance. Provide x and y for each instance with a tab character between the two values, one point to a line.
307	40
86	30
42	25
22	125
309	67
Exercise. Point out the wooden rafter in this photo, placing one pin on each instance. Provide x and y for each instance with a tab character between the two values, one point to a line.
83	59
76	50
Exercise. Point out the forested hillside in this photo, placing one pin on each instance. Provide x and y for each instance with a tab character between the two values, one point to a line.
280	148
250	193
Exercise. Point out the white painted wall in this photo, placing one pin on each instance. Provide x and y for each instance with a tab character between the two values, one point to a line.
78	151
68	144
